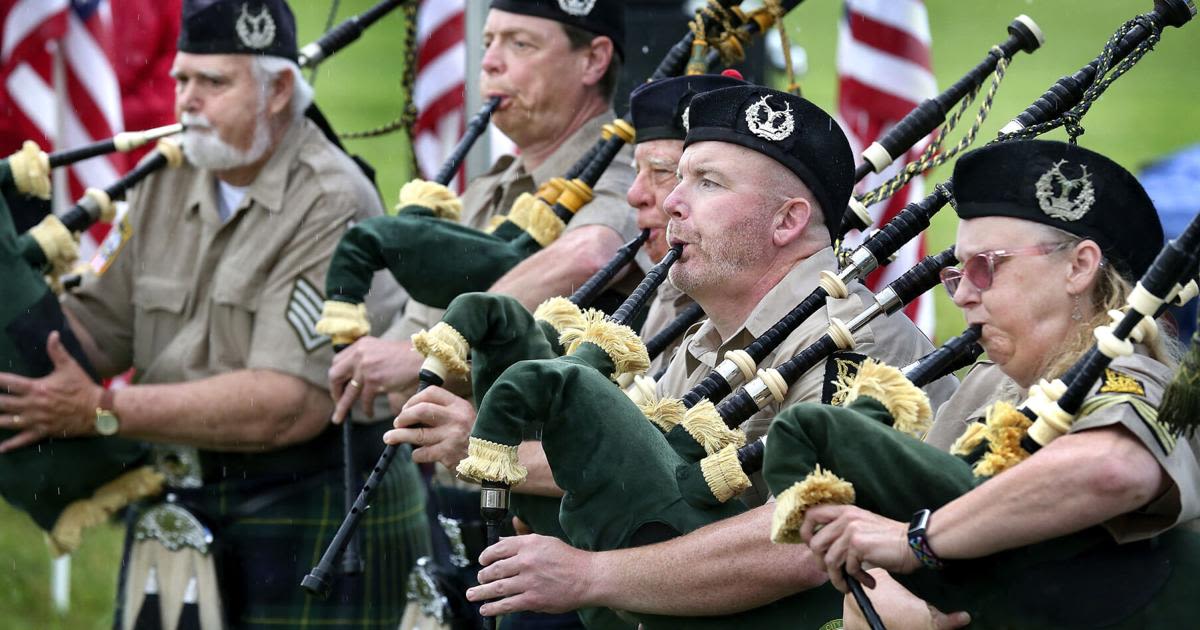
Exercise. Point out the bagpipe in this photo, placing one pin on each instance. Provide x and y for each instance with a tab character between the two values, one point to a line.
65	485
1063	104
825	454
436	259
344	33
643	487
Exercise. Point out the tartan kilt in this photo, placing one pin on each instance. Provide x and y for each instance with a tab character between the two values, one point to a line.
262	557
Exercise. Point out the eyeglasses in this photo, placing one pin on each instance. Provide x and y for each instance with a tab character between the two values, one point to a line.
980	268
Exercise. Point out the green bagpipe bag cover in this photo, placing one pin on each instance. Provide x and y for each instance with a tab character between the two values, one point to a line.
1082	580
42	480
623	482
435	260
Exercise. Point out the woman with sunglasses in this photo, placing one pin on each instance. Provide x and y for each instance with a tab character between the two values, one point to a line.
1051	238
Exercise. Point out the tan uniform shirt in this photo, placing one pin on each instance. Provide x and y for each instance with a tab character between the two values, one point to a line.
894	340
983	385
668	303
493	193
1144	379
190	297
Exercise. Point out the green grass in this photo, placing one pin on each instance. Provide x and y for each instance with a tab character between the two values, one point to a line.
1145	114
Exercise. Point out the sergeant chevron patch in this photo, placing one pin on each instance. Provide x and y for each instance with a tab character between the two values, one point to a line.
303	311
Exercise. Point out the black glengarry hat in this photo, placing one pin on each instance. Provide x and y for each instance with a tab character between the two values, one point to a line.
657	109
248	27
1067	187
602	17
786	128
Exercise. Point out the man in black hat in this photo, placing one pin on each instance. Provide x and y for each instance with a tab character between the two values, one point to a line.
554	64
763	180
213	300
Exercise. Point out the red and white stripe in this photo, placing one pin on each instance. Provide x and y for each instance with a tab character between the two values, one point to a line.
439	93
884	71
81	32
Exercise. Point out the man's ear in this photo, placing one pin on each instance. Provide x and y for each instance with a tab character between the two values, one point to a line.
283	85
791	220
595	62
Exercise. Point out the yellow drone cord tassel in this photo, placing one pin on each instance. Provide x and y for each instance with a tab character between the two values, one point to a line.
820	487
1004	429
969	440
444	203
343	322
705	425
560	313
83	514
664	413
723	474
908	405
491	461
619	342
447	345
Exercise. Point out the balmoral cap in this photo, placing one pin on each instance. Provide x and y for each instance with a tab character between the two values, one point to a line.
1067	187
785	128
657	109
249	27
601	17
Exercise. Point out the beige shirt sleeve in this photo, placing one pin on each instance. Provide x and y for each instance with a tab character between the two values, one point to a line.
104	306
1177	455
274	343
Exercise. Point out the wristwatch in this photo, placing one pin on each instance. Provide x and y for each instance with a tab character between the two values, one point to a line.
919	543
107	423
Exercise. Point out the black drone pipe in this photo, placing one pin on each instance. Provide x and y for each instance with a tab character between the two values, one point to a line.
475	128
663	338
122	142
343	34
588	292
1069	90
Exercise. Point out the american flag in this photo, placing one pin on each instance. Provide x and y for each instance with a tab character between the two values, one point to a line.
440	84
80	32
884	71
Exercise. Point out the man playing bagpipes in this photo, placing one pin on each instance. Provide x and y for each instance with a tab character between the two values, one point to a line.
1069	532
555	71
213	300
762	175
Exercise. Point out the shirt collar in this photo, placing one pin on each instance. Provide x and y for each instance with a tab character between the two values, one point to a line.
574	146
798	284
268	186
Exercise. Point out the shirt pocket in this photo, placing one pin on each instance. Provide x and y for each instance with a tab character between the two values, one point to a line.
235	302
158	316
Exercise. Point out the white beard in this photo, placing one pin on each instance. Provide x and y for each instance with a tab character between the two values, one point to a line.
205	149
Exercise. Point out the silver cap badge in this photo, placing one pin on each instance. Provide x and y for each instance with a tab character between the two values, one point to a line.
770	124
1063	206
578	8
685	118
256	31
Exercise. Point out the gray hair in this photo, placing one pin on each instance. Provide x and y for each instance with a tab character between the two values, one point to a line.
266	68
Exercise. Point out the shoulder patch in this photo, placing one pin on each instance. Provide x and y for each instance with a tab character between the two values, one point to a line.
1163	434
112	245
838	366
303	312
1120	383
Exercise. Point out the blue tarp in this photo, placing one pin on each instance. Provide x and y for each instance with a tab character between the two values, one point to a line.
1173	183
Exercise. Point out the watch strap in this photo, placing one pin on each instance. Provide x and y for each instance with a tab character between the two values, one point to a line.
918	542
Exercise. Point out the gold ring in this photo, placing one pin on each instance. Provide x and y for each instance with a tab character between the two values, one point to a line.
16	419
355	384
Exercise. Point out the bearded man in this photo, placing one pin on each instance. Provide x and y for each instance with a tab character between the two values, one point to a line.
213	300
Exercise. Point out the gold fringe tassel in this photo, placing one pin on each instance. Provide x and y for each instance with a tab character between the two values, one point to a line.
622	345
908	405
445	344
532	215
705	425
57	243
438	198
491	461
970	439
820	487
343	322
30	169
1005	428
664	413
560	313
83	514
723	473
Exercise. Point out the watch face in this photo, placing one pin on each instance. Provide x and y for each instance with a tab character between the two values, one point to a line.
106	422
